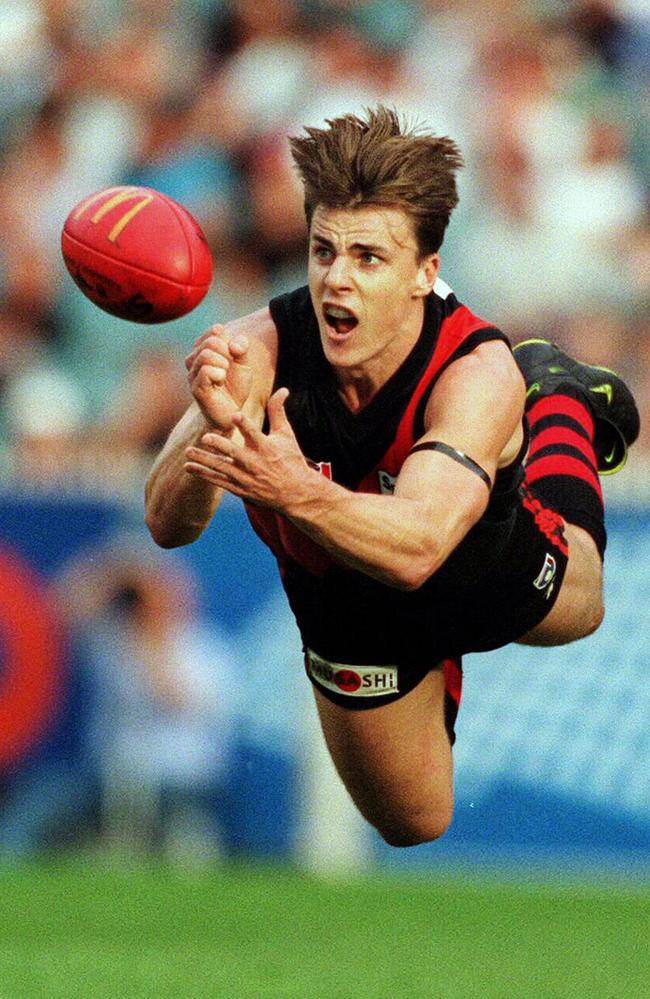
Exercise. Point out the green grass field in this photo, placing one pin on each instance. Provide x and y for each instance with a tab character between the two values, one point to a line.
96	932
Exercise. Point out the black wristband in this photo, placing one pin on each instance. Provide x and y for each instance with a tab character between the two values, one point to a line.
458	456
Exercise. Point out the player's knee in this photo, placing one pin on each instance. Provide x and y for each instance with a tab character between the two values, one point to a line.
587	621
413	830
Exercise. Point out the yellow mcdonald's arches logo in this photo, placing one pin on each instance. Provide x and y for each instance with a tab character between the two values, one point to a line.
122	194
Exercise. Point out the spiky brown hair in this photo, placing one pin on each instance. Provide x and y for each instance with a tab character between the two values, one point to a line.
378	161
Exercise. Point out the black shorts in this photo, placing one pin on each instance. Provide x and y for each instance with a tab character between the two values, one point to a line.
367	644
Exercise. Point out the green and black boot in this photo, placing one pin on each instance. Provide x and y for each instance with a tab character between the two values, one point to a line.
546	369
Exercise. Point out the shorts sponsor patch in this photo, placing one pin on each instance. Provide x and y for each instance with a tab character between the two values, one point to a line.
354	681
545	580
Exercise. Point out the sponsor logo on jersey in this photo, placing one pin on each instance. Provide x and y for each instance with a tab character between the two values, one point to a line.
324	467
546	578
355	681
386	482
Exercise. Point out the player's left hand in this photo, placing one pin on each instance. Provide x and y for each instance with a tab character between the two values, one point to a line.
267	469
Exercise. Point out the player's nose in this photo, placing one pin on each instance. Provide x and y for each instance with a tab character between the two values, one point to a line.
338	274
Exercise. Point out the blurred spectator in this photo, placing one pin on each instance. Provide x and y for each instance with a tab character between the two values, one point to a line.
137	420
556	194
26	66
173	159
31	173
277	233
638	360
164	699
255	90
66	152
46	416
54	440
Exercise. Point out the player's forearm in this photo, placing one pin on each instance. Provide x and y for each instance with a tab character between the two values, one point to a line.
178	506
399	541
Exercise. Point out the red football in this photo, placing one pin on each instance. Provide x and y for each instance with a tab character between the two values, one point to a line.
137	254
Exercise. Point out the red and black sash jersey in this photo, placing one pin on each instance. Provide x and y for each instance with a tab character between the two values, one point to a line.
483	595
363	451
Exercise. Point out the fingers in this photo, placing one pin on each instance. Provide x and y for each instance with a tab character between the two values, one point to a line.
208	463
252	435
254	465
216	452
213	361
208	367
278	421
213	475
207	459
238	348
216	334
217	468
217	340
217	442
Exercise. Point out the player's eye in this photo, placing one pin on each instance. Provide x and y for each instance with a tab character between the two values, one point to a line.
369	258
321	252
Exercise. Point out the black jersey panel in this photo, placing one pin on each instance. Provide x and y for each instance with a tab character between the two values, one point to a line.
326	430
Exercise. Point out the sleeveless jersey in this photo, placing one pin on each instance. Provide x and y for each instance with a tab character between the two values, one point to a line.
344	615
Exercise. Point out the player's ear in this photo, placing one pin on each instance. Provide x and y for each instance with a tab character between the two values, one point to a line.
428	268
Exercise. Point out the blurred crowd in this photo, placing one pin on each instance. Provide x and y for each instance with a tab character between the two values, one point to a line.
153	684
548	99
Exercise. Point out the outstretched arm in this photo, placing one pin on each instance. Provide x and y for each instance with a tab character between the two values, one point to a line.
400	539
230	370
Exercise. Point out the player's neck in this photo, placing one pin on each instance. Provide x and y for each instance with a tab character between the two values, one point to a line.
359	384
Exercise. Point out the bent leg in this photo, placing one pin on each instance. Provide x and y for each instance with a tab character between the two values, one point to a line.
396	761
579	609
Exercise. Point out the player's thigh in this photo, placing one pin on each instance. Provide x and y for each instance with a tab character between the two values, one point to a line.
396	760
579	609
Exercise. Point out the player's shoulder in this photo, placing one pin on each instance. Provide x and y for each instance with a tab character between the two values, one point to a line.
494	362
490	372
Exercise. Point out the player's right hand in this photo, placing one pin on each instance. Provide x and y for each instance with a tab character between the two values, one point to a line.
220	375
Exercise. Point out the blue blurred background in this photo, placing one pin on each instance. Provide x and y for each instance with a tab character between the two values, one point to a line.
154	703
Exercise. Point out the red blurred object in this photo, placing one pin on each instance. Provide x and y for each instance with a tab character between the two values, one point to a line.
137	254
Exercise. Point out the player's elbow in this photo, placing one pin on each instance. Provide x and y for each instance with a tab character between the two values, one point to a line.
161	538
430	544
166	535
413	571
414	830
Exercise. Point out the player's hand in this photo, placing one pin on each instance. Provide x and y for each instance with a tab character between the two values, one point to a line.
266	469
220	376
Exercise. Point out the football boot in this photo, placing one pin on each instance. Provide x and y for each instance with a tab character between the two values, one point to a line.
547	369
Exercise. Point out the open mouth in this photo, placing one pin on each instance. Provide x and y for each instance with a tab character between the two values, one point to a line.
339	319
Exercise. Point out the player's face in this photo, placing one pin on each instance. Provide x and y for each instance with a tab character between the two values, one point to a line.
367	285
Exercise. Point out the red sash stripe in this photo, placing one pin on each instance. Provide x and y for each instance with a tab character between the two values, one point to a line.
453	675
